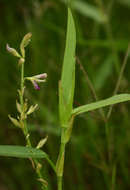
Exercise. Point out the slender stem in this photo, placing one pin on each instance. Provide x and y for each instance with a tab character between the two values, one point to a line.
119	79
59	182
22	85
65	137
101	111
25	129
107	132
109	34
24	126
60	162
51	164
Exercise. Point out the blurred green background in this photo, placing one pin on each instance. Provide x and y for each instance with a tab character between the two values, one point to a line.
98	155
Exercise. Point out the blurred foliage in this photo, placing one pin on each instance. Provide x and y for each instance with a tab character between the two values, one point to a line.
95	155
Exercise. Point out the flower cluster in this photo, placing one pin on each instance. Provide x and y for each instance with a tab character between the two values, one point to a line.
21	56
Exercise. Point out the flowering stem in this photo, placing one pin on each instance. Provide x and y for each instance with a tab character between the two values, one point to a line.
24	124
25	129
22	85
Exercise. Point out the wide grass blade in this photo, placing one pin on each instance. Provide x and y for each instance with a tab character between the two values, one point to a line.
96	105
21	152
67	84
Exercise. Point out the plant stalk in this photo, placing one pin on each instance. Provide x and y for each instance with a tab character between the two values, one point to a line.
60	161
59	182
25	129
22	85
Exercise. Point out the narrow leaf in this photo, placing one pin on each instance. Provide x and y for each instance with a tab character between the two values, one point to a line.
96	105
21	152
67	84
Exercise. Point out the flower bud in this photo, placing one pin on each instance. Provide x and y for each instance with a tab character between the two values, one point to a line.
12	51
41	76
32	109
18	107
14	121
42	142
24	43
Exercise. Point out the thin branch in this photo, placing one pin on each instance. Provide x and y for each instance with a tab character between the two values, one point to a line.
119	79
91	87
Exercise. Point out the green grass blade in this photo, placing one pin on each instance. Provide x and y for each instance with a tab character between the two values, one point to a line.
67	84
21	152
96	105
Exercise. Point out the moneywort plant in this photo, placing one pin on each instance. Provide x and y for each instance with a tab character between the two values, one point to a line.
67	112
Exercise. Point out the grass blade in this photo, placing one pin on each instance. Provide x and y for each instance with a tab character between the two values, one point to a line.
67	84
21	152
96	105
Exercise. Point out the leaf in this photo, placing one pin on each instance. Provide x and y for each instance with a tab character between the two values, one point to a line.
21	152
96	105
24	152
67	84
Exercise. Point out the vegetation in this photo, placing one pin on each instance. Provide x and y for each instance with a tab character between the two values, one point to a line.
99	145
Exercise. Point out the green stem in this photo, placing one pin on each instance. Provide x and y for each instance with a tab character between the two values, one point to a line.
51	164
24	127
60	164
22	85
59	182
65	137
107	133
